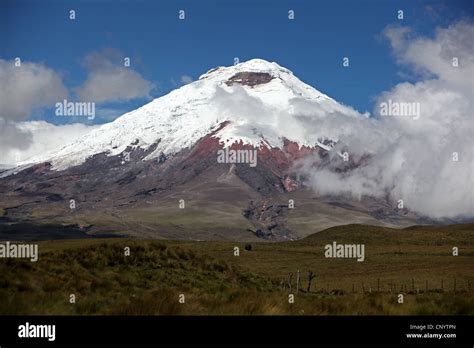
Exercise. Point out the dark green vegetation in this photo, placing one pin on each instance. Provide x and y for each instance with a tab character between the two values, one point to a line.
416	262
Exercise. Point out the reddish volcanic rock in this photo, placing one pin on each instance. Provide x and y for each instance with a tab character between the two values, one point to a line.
210	144
250	78
295	151
273	164
284	158
38	168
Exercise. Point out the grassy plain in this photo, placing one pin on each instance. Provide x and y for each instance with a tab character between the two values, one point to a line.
417	262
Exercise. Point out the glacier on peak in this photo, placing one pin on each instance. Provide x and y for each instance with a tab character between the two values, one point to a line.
260	115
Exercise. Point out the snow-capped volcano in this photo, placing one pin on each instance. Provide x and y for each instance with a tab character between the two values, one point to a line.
173	145
260	103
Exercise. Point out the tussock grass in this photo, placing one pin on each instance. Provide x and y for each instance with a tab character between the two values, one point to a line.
215	282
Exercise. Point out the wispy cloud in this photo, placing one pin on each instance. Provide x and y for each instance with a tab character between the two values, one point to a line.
185	79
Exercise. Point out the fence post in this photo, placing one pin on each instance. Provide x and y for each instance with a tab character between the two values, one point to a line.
297	281
310	279
289	280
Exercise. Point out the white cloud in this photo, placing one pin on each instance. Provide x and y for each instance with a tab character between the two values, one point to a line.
34	86
109	80
412	159
41	137
433	57
24	89
27	87
12	138
307	122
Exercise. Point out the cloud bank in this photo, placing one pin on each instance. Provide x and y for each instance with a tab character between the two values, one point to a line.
426	162
42	137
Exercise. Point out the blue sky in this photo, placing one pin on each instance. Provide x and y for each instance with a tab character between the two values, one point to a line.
163	48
